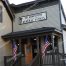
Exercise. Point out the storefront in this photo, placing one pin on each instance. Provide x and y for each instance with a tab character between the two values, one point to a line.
32	23
29	44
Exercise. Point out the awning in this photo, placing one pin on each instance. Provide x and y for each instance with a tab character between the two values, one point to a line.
28	33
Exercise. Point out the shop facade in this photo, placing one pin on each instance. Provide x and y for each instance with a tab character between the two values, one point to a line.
34	21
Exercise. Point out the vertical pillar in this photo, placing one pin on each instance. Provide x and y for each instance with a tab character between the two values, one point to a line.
53	58
38	49
60	48
52	39
42	42
20	52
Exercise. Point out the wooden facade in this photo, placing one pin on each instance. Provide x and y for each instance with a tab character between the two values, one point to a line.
29	34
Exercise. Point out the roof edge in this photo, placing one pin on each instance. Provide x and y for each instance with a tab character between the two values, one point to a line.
32	2
6	5
30	32
63	12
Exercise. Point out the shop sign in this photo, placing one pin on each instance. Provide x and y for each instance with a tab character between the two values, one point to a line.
33	18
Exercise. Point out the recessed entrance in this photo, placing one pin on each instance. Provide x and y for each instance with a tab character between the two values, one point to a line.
29	49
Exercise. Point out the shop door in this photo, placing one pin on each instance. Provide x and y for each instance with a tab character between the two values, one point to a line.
28	52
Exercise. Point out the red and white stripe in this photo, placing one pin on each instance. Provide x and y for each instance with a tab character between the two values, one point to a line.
44	48
15	52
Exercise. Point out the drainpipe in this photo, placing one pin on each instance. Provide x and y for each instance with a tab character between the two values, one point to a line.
12	26
12	22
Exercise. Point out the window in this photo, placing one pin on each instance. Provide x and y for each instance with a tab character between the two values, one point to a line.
0	14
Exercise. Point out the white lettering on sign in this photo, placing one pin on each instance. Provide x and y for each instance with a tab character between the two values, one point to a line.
33	18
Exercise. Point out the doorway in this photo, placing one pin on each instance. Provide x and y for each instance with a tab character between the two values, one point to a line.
29	49
34	46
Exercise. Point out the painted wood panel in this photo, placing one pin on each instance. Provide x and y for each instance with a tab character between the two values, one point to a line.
53	19
28	53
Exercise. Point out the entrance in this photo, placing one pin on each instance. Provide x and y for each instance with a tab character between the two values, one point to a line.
34	46
29	49
31	46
